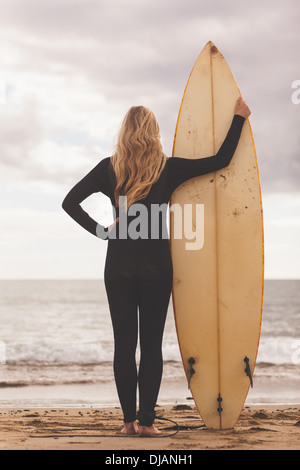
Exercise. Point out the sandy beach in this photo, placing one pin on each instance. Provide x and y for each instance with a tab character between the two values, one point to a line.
261	427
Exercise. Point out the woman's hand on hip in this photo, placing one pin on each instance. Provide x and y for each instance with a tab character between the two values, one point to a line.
112	226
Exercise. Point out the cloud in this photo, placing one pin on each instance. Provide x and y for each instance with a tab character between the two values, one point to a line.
76	67
36	244
72	68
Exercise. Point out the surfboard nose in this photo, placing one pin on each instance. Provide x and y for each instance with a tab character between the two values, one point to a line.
212	47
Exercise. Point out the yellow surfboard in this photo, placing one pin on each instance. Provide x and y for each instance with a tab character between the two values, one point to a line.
218	289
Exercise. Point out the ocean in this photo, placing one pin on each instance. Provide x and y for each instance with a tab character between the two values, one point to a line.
56	346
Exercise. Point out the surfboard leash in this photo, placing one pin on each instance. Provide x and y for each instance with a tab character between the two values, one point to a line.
56	433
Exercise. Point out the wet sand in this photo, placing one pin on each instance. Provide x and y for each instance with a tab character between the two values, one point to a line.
259	428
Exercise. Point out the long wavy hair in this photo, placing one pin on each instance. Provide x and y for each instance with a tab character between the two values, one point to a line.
138	160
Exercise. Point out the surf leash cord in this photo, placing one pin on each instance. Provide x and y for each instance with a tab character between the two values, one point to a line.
56	433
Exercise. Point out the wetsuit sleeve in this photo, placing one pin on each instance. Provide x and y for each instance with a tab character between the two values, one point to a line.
95	181
182	169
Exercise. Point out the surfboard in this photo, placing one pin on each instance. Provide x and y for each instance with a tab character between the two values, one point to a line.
218	289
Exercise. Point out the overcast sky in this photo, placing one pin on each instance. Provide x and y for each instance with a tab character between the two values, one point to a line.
70	69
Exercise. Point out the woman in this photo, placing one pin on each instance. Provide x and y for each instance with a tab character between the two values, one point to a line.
138	270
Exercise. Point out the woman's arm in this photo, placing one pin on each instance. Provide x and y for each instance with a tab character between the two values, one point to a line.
182	169
94	182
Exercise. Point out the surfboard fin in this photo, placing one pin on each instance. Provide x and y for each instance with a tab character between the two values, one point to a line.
191	370
220	409
248	370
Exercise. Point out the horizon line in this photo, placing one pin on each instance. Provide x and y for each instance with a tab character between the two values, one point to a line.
102	279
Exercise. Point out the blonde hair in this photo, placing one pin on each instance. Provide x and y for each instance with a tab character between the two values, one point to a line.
138	160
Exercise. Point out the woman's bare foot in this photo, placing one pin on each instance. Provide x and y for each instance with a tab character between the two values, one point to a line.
148	431
130	429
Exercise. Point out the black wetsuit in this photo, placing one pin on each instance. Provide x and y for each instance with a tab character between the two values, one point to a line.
139	274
